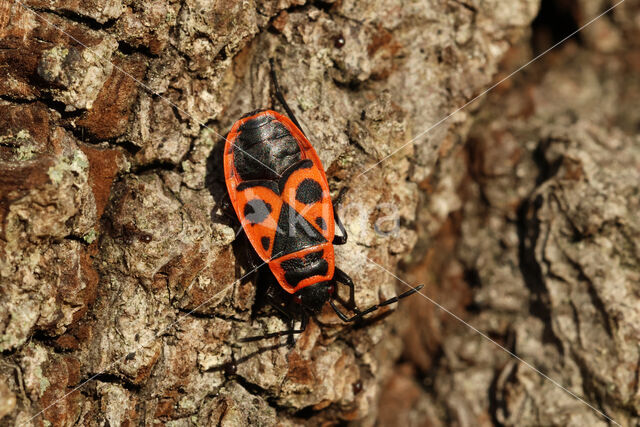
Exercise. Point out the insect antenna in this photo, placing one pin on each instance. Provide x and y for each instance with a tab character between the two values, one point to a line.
280	96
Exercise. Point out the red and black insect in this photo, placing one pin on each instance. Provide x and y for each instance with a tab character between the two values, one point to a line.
280	194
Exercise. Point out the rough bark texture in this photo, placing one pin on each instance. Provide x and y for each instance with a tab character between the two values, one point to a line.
119	266
540	242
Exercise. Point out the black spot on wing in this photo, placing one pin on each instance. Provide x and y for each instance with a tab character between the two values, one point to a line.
303	164
321	223
256	211
294	277
309	191
298	269
301	262
265	241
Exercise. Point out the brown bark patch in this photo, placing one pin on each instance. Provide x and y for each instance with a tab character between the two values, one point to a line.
109	116
103	168
300	370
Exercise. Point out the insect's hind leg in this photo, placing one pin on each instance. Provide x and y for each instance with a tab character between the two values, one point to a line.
267	294
280	96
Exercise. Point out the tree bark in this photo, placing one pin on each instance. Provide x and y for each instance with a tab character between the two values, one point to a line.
540	242
124	292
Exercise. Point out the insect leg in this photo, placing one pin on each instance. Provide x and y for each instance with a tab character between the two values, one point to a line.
359	314
291	331
339	240
342	277
280	96
272	301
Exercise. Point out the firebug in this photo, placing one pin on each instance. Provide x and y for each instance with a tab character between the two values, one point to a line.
280	194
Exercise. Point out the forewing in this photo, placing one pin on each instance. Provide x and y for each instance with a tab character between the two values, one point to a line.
258	207
305	188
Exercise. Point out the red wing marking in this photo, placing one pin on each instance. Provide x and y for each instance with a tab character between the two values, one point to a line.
258	209
307	191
